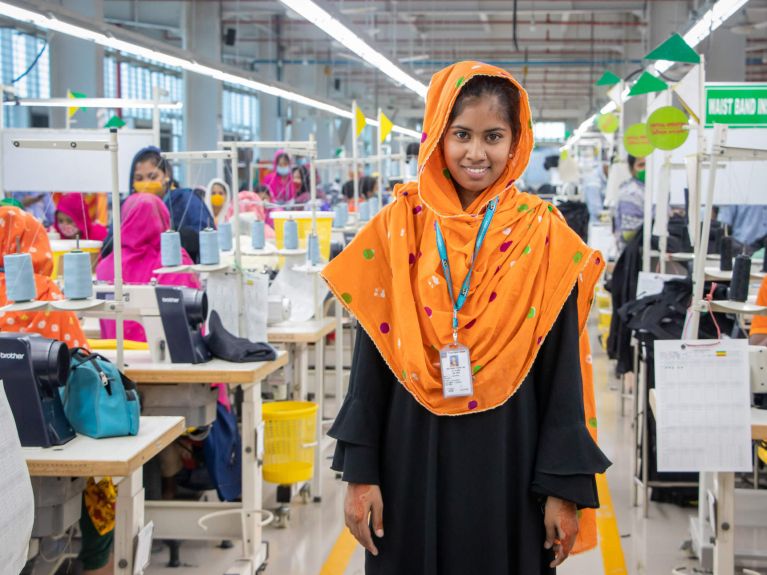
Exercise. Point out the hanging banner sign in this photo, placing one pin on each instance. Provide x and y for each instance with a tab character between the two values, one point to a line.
668	128
736	105
636	142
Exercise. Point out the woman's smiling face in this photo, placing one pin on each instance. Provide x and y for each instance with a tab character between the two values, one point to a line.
476	146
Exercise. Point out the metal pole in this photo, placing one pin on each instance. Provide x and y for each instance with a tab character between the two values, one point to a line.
699	275
117	246
701	147
379	148
313	182
156	116
239	278
355	167
3	193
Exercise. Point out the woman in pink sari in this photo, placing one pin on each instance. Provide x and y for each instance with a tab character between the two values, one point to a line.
251	203
144	218
280	181
73	219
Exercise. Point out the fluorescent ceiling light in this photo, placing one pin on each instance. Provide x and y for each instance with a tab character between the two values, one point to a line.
92	103
417	58
717	15
51	22
337	30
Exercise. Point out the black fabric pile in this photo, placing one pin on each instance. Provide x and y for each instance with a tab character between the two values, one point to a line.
229	347
577	217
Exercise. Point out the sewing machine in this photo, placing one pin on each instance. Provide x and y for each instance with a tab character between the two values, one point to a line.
172	318
33	368
757	359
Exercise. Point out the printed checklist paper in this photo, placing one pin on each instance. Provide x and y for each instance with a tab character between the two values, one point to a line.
703	410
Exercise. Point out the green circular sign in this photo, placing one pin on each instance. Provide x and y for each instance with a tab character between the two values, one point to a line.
636	142
607	123
667	128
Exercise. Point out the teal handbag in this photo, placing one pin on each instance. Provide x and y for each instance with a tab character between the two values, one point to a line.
99	400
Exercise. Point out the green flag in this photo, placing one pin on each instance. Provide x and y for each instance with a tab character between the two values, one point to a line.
646	84
607	79
115	122
675	49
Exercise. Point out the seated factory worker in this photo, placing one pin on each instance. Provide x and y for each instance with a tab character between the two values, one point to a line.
280	181
758	334
152	174
73	220
218	198
253	203
23	232
629	214
144	219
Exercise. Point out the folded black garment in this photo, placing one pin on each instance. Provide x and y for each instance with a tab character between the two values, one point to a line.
228	346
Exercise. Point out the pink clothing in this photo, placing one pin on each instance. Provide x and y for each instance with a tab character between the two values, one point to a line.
144	218
251	203
281	187
74	206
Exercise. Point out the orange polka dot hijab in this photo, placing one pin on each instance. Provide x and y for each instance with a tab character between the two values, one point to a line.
18	228
390	276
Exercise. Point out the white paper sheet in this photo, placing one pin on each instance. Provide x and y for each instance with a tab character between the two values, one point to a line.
703	405
222	290
17	505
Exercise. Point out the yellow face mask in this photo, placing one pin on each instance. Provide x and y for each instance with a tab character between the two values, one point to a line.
150	187
217	200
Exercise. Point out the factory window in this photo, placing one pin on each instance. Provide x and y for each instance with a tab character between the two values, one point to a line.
240	114
22	53
549	131
136	78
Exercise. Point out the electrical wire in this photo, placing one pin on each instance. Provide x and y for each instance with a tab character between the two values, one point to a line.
33	64
514	30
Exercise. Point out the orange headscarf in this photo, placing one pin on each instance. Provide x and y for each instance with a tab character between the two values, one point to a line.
391	279
19	227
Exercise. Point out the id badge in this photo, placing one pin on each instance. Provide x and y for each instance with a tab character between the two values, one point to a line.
455	364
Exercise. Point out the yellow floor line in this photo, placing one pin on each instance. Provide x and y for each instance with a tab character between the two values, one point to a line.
609	537
340	555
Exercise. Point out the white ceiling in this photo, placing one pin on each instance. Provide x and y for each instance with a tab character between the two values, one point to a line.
562	46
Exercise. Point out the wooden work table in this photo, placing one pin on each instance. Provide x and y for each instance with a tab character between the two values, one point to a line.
112	456
118	457
140	368
240	520
300	332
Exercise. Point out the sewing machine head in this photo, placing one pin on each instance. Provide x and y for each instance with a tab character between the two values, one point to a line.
172	318
33	368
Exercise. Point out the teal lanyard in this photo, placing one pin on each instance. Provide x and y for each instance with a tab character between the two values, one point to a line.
442	249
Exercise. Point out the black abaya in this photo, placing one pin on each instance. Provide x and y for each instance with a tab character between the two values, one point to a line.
464	495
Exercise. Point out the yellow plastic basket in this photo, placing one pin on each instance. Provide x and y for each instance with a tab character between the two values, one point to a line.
304	221
289	441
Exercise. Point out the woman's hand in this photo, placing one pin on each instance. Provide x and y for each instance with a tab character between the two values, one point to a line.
561	521
361	502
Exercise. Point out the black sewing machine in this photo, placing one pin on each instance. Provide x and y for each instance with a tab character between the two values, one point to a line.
183	311
32	369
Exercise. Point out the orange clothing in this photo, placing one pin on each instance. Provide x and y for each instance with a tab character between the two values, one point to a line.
390	277
759	322
19	226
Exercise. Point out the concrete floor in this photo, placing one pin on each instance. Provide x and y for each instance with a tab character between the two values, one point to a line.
651	546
